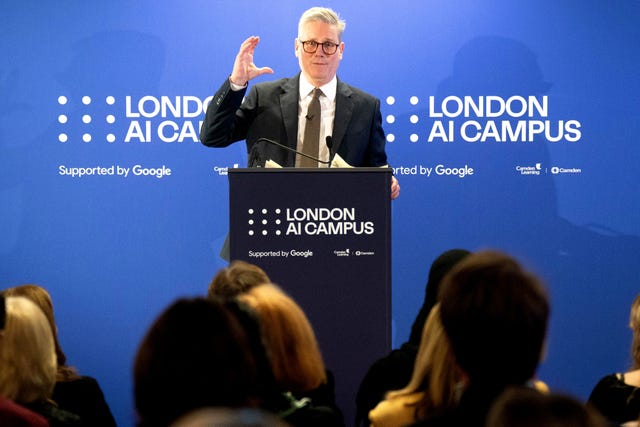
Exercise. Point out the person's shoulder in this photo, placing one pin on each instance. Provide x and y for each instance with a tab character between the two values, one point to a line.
284	83
353	91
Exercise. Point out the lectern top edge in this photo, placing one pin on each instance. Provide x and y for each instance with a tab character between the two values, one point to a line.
296	170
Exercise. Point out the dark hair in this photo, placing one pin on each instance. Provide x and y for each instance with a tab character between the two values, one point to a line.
526	407
495	315
195	355
439	268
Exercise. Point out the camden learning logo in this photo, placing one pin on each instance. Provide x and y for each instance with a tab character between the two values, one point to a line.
129	119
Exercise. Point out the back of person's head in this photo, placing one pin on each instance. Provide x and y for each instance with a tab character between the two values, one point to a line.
225	417
289	338
435	371
42	299
239	277
634	324
439	268
527	407
495	315
27	355
195	355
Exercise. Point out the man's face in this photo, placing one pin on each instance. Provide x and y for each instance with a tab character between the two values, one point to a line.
318	67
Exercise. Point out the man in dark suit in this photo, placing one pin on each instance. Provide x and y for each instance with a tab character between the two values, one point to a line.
283	110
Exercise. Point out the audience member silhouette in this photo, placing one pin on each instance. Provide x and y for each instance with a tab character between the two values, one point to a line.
28	362
495	315
195	355
295	356
239	277
432	387
225	417
617	396
527	407
393	371
73	392
14	415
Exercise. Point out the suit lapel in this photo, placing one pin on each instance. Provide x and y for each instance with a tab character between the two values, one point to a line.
344	109
289	109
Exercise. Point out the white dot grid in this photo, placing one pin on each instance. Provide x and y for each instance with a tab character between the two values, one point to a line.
86	118
392	118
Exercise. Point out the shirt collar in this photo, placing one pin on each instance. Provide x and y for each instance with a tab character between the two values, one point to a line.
329	89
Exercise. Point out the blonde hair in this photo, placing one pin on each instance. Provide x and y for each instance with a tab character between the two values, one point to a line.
634	324
289	339
435	372
323	14
42	299
239	277
27	354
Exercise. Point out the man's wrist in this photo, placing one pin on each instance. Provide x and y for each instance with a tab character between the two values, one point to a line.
236	86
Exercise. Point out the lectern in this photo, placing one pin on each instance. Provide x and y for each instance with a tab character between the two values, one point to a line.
324	236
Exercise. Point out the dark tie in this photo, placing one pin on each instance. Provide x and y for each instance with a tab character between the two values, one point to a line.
312	132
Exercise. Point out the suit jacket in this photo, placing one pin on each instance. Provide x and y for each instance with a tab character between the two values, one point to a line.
271	111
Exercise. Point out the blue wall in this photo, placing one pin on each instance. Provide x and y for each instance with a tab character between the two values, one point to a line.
114	250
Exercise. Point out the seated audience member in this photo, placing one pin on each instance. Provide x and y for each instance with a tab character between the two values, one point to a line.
433	384
393	371
195	355
239	277
14	415
617	396
295	357
224	417
495	316
28	362
73	392
527	407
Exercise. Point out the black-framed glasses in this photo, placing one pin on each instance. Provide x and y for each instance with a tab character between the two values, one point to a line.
310	46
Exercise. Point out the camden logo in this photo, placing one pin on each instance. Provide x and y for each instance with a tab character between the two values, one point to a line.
130	119
559	170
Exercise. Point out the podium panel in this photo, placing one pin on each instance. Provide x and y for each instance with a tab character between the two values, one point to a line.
324	236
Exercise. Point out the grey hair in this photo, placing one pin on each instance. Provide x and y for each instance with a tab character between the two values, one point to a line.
323	14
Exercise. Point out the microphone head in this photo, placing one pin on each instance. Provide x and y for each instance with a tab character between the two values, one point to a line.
329	141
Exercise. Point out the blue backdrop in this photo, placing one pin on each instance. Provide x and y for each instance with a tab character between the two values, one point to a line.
511	125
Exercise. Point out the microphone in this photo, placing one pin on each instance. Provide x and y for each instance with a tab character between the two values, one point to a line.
308	116
329	141
286	147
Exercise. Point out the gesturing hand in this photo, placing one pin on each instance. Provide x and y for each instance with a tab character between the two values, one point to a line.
243	68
